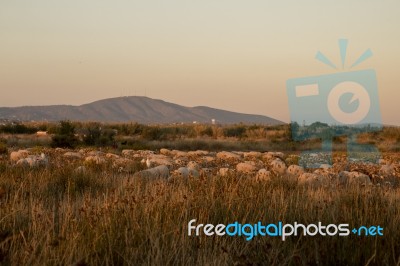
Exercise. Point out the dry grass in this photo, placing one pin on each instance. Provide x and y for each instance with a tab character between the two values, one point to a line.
54	216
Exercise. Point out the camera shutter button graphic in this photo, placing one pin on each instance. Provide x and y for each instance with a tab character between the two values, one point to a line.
359	93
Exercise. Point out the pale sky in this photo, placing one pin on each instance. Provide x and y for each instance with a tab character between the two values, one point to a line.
228	54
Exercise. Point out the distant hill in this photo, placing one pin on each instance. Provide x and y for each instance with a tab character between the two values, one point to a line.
127	109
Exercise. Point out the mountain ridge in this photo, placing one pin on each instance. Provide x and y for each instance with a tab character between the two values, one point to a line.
131	108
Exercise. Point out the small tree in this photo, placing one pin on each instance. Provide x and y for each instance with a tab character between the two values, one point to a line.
65	136
96	136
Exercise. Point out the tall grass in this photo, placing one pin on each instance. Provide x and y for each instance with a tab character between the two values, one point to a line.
57	217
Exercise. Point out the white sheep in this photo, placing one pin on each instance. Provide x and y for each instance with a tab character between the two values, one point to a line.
161	171
263	175
41	133
15	156
33	161
182	172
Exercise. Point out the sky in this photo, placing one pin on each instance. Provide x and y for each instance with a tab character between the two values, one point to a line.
228	54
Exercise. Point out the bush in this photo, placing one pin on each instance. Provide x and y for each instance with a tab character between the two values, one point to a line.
94	135
152	133
17	129
208	131
3	148
236	131
65	136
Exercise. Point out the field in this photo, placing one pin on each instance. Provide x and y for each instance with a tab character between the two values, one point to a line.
92	204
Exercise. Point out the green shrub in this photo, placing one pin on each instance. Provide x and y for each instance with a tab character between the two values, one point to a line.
95	135
3	148
65	136
235	131
17	129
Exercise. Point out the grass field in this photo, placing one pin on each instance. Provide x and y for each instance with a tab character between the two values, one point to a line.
58	217
104	215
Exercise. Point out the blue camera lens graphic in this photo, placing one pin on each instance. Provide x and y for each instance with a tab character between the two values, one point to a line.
338	104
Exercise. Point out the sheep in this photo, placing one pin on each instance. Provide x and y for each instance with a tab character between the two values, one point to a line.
245	168
225	171
161	171
15	156
278	166
41	133
228	156
193	165
183	172
73	155
154	160
80	170
127	152
263	175
295	170
95	159
112	156
354	178
313	180
148	163
33	161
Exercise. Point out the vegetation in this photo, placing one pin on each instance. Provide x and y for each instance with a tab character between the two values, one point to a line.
65	136
3	146
55	216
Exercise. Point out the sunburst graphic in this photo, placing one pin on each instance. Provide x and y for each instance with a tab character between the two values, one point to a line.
343	43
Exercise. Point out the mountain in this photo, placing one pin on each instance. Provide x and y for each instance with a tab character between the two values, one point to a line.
127	109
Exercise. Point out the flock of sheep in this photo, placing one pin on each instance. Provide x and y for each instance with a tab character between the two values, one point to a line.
170	164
